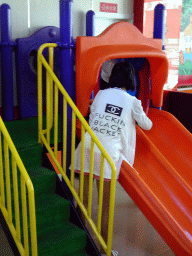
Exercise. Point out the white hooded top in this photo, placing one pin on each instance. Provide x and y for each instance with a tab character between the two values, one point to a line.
112	118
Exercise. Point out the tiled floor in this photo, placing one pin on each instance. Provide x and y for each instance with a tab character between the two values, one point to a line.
4	246
133	234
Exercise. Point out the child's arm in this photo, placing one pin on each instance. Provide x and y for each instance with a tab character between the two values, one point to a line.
140	117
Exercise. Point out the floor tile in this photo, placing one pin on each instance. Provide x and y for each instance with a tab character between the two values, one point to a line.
133	234
5	248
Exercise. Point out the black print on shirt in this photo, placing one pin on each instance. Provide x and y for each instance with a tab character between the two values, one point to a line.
108	125
114	110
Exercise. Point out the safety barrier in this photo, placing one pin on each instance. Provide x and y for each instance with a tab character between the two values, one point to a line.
53	88
17	200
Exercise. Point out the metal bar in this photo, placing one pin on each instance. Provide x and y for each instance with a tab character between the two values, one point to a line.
32	216
24	215
82	162
7	177
56	98
2	197
100	204
40	97
73	147
111	211
51	64
91	179
49	96
48	110
64	133
16	199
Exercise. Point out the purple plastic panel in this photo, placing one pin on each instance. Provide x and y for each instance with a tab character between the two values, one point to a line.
6	47
26	64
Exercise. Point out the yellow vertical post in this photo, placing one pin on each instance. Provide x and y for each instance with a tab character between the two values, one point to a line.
24	215
40	98
16	198
100	204
49	96
73	146
91	179
48	111
32	222
7	177
51	64
82	162
64	134
56	98
2	197
111	210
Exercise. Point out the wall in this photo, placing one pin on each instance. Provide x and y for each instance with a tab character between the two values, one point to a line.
28	16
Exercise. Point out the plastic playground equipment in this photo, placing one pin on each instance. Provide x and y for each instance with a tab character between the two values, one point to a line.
160	182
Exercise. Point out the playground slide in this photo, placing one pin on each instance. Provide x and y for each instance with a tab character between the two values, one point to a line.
161	181
173	141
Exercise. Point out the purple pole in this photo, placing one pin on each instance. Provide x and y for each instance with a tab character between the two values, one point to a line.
67	72
66	45
159	23
90	29
90	23
6	63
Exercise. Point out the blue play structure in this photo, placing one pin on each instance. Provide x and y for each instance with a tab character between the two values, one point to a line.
6	62
26	57
64	58
26	60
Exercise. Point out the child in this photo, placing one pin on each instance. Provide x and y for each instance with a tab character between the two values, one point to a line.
113	115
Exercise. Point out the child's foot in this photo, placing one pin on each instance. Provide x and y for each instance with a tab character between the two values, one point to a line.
114	253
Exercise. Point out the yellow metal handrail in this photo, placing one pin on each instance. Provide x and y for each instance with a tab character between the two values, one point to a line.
53	87
17	200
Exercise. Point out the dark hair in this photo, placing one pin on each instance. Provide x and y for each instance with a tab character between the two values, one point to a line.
123	75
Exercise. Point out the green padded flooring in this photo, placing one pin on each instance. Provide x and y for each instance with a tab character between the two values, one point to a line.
55	234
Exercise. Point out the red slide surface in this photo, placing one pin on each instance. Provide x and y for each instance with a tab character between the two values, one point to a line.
161	181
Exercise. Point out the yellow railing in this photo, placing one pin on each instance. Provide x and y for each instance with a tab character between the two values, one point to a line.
17	200
53	87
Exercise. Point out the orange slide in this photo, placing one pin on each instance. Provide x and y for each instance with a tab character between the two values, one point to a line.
161	181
